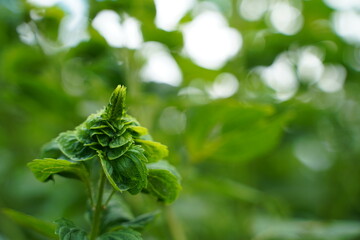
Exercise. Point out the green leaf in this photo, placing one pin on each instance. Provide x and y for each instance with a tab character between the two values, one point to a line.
141	221
96	122
124	234
99	127
68	231
108	131
95	132
73	148
236	133
244	145
44	228
140	131
116	107
92	126
127	172
116	213
154	151
103	140
43	169
115	179
115	153
121	128
112	124
163	183
134	169
121	140
129	120
51	150
164	165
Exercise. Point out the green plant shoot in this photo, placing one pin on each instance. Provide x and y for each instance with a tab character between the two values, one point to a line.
115	148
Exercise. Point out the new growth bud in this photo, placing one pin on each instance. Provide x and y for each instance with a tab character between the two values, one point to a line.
116	107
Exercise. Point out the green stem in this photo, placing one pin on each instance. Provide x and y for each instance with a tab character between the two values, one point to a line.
109	198
89	190
175	227
98	209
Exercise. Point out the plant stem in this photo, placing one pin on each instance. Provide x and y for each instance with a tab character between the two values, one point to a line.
175	227
98	209
109	198
89	190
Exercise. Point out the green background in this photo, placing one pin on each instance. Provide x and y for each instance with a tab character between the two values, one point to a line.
252	166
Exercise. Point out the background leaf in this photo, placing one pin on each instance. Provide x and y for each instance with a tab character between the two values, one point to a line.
125	234
273	143
141	221
232	132
68	231
44	228
118	215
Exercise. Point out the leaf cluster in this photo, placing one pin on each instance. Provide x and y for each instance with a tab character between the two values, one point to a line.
127	156
123	147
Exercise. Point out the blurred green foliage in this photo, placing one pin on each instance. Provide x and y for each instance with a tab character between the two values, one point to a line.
253	166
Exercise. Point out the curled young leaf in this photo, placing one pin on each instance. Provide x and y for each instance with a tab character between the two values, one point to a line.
119	141
108	131
92	125
44	169
164	165
116	107
115	153
138	130
114	178
154	151
163	185
70	145
103	139
163	182
127	172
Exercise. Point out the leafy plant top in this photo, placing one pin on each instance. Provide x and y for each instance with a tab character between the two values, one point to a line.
127	158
